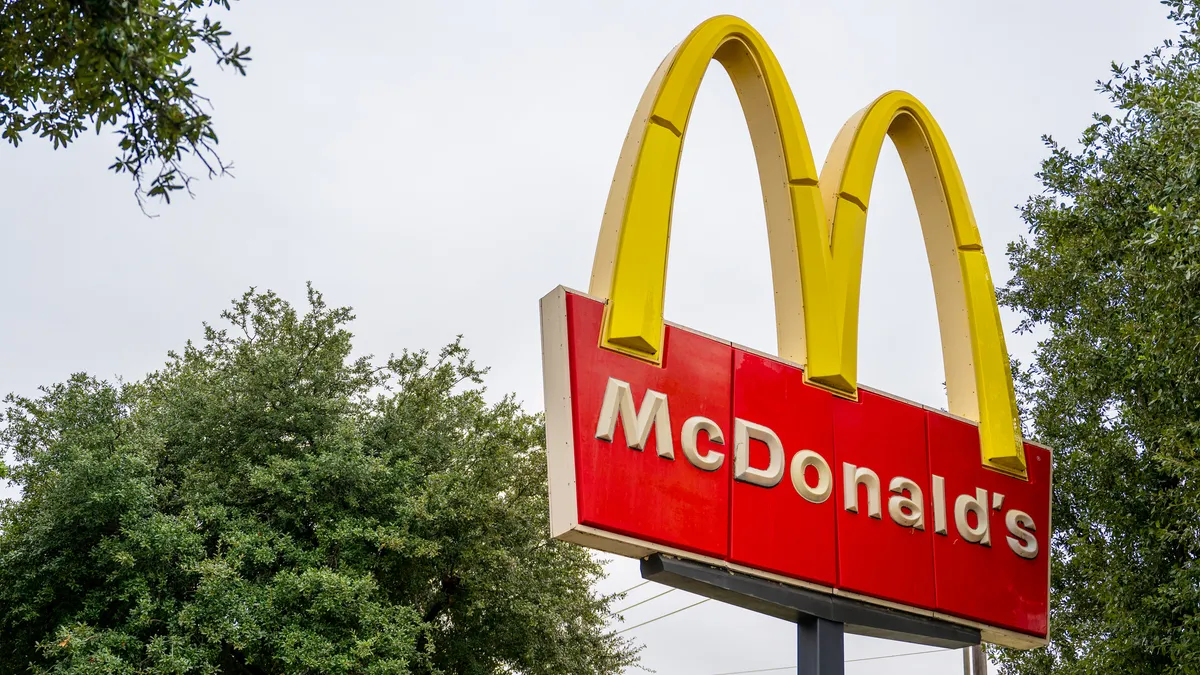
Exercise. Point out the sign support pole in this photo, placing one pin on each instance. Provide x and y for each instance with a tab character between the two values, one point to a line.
974	662
820	646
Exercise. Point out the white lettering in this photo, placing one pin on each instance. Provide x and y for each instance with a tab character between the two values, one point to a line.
965	505
1025	544
820	492
939	505
743	433
905	504
710	461
906	511
618	402
852	477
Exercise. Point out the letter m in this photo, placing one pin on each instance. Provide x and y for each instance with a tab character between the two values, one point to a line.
618	402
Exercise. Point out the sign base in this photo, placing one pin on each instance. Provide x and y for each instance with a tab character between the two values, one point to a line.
821	619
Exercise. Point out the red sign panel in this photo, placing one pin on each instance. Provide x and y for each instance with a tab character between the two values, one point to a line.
774	395
730	457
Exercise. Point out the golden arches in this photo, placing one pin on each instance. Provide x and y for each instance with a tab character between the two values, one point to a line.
815	230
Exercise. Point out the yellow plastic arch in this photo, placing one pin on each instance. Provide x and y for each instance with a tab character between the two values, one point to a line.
815	230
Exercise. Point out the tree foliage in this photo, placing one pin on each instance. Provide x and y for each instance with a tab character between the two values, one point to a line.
1112	271
67	65
267	504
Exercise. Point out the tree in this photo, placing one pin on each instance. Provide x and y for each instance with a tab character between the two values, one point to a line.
67	65
1112	271
266	504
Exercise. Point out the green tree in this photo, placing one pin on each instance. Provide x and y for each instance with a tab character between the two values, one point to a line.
1112	272
267	504
70	65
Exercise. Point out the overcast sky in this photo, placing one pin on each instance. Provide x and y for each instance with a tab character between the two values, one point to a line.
440	166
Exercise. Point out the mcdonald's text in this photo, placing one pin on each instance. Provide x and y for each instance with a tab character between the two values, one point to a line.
811	475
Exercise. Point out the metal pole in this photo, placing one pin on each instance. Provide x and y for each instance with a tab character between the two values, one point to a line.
820	647
978	662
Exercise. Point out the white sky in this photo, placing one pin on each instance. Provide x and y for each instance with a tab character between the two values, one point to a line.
441	166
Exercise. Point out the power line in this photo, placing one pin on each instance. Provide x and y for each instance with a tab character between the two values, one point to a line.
631	588
760	670
896	656
663	616
864	658
626	609
746	672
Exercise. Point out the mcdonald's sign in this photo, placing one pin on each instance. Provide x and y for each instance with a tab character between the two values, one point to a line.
662	439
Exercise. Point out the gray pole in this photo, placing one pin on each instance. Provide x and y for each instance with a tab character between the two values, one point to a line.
974	662
820	648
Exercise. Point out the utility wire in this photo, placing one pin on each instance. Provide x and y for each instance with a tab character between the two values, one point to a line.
760	670
663	616
865	658
894	656
631	588
626	609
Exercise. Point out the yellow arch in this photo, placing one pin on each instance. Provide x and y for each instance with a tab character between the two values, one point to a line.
815	230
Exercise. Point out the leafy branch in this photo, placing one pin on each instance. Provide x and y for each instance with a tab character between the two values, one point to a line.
70	65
